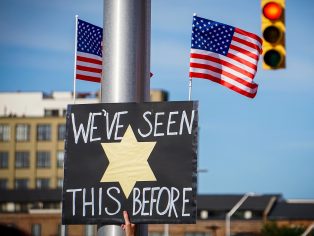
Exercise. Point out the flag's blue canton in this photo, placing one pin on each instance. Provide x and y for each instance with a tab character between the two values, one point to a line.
211	36
89	38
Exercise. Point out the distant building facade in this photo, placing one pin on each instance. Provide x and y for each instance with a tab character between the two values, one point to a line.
39	104
42	215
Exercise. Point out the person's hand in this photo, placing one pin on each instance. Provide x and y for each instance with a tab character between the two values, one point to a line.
128	227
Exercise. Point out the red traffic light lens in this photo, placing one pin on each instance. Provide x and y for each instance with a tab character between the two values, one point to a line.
272	11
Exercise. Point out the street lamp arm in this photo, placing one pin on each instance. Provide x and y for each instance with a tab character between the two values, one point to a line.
234	209
308	230
239	203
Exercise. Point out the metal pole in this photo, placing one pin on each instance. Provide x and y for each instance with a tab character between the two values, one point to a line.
126	64
190	88
234	209
166	229
308	230
75	53
62	229
126	51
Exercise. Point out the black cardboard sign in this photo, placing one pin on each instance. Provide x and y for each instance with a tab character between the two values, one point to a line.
139	157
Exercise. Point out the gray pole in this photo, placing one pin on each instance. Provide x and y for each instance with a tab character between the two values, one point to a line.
234	209
126	63
126	51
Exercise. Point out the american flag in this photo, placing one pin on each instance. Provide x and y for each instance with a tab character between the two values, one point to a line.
225	55
89	52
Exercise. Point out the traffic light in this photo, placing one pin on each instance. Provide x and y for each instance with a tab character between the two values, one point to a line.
273	29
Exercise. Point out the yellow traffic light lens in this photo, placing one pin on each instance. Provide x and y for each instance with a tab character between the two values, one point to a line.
272	58
272	11
272	34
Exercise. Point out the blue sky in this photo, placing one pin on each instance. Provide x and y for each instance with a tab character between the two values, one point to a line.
264	145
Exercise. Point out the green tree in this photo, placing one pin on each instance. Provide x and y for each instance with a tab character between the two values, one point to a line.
272	229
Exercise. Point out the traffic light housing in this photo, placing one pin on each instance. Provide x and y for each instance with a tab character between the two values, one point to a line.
273	29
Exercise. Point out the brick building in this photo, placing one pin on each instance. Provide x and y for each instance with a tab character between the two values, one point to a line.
39	213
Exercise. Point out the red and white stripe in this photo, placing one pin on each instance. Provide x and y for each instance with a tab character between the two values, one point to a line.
88	67
236	70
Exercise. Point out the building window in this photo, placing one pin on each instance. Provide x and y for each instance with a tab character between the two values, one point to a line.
21	183
61	132
8	207
3	207
60	159
4	133
43	159
21	159
43	132
22	132
204	214
42	183
196	234
21	207
3	183
36	230
59	182
51	112
156	234
4	160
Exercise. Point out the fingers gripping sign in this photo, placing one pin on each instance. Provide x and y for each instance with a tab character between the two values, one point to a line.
128	227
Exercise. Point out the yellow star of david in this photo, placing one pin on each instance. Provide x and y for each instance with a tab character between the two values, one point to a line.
128	161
